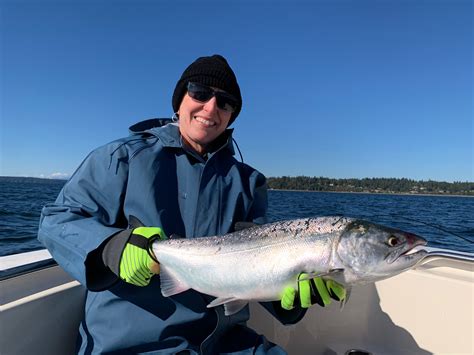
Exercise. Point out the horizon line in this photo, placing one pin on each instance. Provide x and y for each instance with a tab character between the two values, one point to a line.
271	177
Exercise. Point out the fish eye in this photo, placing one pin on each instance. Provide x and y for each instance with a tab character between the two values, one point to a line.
392	241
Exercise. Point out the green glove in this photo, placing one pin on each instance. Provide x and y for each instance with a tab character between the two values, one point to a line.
137	256
311	291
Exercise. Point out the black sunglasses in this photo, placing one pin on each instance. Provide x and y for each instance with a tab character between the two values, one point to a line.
203	93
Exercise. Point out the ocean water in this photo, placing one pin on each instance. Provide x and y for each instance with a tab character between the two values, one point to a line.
434	217
21	201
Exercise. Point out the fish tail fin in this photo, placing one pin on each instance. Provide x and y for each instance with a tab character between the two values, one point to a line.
170	285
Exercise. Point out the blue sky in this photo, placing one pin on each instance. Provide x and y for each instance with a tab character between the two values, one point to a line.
330	88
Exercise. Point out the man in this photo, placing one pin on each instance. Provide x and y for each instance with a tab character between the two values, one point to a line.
182	179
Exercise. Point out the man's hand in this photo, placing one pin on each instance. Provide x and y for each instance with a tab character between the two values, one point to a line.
311	291
138	264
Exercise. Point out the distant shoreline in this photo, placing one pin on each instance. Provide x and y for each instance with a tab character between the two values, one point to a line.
374	193
45	180
392	186
30	178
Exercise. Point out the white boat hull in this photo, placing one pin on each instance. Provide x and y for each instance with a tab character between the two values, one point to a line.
428	310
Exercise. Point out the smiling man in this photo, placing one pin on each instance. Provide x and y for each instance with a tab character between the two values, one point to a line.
181	178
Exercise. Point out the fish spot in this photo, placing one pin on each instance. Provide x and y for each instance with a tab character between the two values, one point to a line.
361	228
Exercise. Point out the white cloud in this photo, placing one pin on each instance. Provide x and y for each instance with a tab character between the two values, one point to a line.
58	176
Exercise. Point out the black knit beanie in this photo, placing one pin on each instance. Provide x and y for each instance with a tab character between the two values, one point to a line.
211	71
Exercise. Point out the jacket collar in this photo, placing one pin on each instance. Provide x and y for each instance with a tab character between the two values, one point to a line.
167	131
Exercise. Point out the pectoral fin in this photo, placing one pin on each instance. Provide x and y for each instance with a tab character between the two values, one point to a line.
348	294
329	274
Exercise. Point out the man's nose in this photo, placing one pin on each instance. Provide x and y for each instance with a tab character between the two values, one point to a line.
211	105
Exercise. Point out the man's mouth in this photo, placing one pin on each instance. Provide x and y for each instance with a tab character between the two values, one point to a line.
204	121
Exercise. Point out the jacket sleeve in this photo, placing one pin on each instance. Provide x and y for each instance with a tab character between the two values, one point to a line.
87	212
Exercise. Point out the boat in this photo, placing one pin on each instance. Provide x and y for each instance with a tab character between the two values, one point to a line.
426	310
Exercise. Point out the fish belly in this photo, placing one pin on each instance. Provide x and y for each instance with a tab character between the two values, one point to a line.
257	273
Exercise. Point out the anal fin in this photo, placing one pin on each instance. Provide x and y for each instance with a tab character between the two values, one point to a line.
231	305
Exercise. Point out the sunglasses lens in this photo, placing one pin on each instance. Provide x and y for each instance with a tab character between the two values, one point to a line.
203	93
226	102
202	96
200	92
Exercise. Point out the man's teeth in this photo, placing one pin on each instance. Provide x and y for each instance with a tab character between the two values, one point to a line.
203	121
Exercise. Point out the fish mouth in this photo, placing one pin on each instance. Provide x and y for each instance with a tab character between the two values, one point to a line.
415	251
412	252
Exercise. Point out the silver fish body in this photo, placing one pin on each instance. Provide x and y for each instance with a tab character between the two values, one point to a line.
256	264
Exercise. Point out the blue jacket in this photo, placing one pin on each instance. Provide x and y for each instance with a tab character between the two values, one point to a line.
152	176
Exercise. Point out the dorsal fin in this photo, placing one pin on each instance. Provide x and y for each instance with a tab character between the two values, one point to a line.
243	225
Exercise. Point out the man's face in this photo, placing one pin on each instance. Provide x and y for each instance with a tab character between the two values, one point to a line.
200	123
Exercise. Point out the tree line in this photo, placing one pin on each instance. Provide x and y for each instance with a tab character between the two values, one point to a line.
371	185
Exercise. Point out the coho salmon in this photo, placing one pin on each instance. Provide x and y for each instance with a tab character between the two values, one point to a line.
257	263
